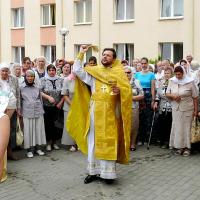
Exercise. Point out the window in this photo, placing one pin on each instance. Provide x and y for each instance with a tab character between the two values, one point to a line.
48	15
88	53
18	54
172	51
18	17
83	10
125	51
49	53
124	10
171	8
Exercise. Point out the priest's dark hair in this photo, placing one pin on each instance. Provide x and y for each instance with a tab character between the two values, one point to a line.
111	49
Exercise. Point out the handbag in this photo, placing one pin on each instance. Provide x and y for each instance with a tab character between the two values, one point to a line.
19	134
195	131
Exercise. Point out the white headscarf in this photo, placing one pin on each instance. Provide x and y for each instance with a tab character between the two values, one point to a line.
186	79
4	65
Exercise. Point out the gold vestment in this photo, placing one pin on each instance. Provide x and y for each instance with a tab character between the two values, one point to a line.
112	114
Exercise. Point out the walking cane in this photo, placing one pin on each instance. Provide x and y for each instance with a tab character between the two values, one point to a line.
148	144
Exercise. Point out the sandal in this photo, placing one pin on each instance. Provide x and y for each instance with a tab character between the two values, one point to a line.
186	153
178	152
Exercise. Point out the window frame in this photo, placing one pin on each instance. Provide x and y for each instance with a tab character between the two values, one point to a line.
77	49
50	50
171	49
172	17
124	58
50	15
125	13
20	16
84	14
18	48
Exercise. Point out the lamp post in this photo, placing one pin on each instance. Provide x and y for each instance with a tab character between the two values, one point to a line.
64	32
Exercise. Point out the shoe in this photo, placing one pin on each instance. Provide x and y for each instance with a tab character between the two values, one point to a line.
29	154
186	153
56	147
140	143
90	178
178	152
133	149
72	149
48	148
40	152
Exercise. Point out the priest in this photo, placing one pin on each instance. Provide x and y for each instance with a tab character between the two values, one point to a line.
100	115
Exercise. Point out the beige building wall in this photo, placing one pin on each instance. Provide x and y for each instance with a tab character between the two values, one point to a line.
5	41
146	31
32	28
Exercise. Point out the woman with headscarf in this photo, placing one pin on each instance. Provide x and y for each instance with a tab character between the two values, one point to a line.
32	112
68	92
51	86
184	100
10	83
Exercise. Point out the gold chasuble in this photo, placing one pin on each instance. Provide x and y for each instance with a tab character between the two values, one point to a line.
112	113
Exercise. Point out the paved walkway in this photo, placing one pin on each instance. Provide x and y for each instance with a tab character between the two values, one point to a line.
151	175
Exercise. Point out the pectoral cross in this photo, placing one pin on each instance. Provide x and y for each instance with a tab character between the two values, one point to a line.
103	88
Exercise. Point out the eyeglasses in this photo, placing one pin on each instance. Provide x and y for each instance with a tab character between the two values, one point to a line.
128	72
143	63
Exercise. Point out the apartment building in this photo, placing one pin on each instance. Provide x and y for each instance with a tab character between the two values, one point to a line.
135	28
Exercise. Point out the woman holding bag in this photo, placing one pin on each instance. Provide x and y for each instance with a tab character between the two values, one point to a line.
184	100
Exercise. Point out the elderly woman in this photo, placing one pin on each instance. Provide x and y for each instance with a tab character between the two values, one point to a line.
51	86
147	80
32	112
16	71
165	109
68	92
4	130
184	99
10	83
138	95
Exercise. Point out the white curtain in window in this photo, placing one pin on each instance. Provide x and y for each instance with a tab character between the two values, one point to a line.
22	54
120	51
47	53
16	54
16	18
22	17
79	12
88	10
120	4
166	51
178	7
129	9
53	53
129	52
46	15
166	8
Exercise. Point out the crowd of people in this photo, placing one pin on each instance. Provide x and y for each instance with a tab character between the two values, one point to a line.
39	96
